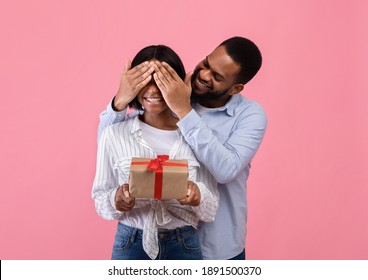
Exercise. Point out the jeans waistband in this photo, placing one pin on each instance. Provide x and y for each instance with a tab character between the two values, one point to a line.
163	234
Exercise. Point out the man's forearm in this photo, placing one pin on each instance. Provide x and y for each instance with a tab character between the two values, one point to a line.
223	160
108	117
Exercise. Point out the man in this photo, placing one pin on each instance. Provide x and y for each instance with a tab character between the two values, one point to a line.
223	128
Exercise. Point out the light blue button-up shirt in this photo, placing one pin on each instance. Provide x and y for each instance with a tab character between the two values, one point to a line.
225	140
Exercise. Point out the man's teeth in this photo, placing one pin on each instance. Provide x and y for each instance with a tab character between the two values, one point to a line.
202	85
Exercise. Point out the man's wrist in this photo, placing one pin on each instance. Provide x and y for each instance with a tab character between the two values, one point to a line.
183	112
116	106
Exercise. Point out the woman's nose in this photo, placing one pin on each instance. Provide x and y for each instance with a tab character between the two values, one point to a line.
152	87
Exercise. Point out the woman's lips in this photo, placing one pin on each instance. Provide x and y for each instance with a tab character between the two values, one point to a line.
154	99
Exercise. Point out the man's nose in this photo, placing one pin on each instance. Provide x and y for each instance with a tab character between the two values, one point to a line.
205	74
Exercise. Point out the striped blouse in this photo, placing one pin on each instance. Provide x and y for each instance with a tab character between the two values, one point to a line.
118	144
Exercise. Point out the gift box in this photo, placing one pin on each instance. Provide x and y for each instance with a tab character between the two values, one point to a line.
159	178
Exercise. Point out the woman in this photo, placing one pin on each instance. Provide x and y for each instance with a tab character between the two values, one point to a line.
150	228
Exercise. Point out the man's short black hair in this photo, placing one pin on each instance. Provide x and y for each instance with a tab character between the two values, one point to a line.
246	54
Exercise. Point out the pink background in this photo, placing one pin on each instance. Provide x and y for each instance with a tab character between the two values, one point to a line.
60	63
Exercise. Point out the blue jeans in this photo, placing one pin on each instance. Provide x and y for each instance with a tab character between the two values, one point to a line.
176	244
241	256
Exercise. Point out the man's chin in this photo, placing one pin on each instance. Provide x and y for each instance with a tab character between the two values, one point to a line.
207	96
195	97
196	93
198	97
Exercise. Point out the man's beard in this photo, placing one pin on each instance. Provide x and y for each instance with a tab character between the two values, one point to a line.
204	97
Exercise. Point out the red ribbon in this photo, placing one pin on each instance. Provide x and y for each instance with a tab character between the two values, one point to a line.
156	165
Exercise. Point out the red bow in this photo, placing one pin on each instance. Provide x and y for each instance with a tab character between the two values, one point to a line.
156	166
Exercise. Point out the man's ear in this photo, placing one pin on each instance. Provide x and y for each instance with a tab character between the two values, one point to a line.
236	89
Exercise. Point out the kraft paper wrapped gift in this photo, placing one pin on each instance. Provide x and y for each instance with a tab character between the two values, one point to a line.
158	178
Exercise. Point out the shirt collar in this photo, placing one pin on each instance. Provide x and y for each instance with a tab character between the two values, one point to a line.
230	105
136	128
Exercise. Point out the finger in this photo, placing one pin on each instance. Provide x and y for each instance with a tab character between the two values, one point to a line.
118	197
188	79
145	75
172	72
130	201
142	78
161	86
124	207
120	201
195	194
191	196
128	65
190	186
189	192
139	70
183	201
186	200
125	189
162	73
143	83
125	204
